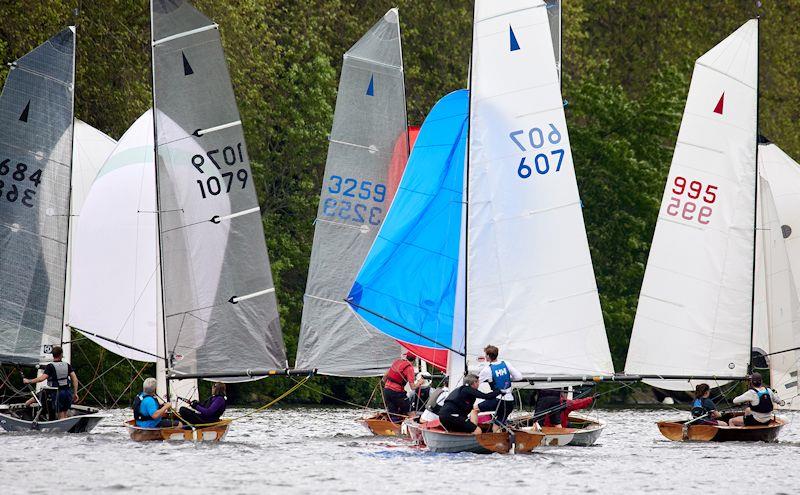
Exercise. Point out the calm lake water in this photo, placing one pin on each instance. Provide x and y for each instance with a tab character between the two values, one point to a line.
314	450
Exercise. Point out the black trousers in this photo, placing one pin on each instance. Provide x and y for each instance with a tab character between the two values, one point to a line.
192	417
397	405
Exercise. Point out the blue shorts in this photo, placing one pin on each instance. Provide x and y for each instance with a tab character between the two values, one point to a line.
62	400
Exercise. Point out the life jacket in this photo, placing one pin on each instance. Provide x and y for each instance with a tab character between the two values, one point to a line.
395	373
698	409
501	376
61	380
137	407
436	400
764	405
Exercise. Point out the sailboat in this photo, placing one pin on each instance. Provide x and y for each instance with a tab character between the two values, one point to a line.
705	277
36	155
220	317
453	276
367	152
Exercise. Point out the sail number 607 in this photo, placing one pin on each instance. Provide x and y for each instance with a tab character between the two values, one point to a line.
542	162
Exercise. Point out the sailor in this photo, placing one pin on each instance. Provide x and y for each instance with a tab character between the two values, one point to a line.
553	407
62	381
208	411
499	375
704	408
147	411
394	381
458	413
761	402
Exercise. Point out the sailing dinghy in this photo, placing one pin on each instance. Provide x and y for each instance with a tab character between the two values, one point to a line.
220	315
702	287
36	155
367	152
444	274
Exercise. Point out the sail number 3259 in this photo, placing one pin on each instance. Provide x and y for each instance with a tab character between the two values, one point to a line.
692	200
213	184
543	162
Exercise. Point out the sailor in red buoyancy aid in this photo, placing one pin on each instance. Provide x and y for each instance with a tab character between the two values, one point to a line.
394	381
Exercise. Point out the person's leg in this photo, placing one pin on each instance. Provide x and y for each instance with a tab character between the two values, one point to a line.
737	421
190	416
504	409
63	402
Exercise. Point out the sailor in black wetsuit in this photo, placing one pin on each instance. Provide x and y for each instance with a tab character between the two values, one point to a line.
458	413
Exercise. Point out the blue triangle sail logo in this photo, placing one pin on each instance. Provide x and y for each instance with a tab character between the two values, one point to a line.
371	87
514	43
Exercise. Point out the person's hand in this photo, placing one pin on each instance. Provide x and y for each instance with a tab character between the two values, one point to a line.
194	403
26	381
168	406
75	397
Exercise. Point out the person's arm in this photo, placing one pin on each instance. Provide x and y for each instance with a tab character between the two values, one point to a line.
38	379
409	375
516	376
578	404
214	408
482	395
74	378
745	397
776	398
161	411
485	374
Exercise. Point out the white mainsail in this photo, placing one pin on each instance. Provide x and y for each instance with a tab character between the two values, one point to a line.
530	286
777	309
695	306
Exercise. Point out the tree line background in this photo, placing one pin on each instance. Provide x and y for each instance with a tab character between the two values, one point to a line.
626	71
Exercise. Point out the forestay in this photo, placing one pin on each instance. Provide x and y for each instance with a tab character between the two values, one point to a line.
116	241
219	299
407	285
530	283
694	313
370	118
777	309
36	127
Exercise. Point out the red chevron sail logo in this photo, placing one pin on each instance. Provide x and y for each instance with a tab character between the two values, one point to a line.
720	104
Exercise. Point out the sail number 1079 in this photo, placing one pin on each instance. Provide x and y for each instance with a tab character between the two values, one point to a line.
692	200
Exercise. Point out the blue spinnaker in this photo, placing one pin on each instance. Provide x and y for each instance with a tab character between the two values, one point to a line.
406	287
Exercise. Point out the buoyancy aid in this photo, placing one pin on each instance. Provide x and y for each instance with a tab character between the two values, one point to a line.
137	407
501	376
764	405
61	380
698	409
395	373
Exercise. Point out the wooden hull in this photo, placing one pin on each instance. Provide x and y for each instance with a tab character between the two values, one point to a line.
678	432
584	431
379	424
82	420
438	440
213	433
526	441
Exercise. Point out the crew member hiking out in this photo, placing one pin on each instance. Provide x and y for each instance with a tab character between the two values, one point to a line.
553	407
459	414
63	383
761	402
394	381
499	375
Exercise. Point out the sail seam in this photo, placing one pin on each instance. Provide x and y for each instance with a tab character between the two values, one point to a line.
726	75
382	64
478	21
43	76
184	34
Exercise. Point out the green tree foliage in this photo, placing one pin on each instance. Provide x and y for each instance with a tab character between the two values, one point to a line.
627	66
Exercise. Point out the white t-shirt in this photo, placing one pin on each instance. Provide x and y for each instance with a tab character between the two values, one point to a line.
485	376
751	397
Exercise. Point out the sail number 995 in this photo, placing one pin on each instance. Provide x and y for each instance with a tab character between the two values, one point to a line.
213	184
686	200
545	160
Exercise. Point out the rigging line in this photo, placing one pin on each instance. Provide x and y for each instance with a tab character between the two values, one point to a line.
130	384
360	406
406	328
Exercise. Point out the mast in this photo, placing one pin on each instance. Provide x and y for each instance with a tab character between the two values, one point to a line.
158	202
64	327
755	196
466	191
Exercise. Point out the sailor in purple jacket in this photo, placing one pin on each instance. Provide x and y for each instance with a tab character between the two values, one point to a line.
208	411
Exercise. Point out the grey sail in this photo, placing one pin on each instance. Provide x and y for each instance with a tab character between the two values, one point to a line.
220	310
368	142
36	124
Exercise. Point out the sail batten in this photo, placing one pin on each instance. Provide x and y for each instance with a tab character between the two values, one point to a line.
202	176
368	146
36	141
